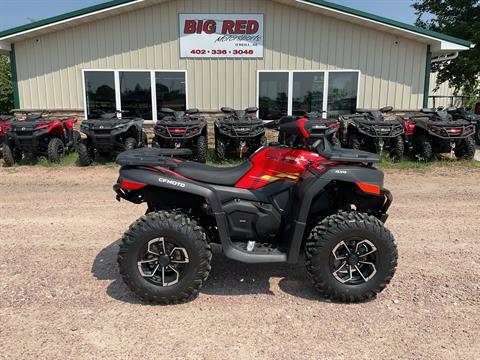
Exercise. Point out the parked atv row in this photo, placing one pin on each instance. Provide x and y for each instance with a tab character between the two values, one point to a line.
37	135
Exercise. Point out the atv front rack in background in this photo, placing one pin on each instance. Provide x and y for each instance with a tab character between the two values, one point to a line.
379	129
151	157
446	130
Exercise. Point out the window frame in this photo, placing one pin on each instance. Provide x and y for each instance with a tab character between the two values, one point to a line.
118	92
326	79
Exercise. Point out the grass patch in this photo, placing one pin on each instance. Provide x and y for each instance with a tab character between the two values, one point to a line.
408	163
212	160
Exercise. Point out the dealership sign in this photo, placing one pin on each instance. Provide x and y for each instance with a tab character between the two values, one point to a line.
221	35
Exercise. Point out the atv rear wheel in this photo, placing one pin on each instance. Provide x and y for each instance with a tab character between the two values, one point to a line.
10	156
465	149
85	156
350	256
354	142
423	148
130	143
220	150
397	148
201	149
56	150
165	257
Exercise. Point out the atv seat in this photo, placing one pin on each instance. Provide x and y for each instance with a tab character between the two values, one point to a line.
213	175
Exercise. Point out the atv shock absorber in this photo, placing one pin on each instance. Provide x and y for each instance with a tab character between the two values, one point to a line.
242	148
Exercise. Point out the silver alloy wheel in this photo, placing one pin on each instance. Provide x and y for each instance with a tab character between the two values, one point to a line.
354	261
159	262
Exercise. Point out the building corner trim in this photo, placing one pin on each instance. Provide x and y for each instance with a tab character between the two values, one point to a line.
428	69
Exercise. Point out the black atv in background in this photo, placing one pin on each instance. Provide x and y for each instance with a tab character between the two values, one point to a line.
369	130
465	113
238	131
321	127
437	131
182	130
109	134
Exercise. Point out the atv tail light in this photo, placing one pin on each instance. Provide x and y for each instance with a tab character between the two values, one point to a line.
131	185
369	188
178	131
454	131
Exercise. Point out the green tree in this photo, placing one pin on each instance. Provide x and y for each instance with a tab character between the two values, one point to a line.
6	89
461	19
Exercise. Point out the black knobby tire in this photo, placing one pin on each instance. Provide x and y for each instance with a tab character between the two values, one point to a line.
201	149
130	143
220	150
465	149
10	156
423	148
397	148
56	150
342	226
186	233
85	157
354	142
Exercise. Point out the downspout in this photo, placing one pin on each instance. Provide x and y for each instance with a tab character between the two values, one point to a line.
13	69
426	84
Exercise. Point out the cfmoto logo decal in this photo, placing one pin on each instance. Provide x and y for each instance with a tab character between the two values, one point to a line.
172	182
23	129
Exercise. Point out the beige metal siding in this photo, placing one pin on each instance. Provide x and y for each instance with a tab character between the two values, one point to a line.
49	67
443	90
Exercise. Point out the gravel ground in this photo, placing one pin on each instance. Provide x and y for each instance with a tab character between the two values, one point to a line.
61	296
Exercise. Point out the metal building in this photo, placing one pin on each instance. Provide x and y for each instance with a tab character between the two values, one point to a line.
285	56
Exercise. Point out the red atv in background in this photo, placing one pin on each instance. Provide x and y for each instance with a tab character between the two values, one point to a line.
436	131
4	126
39	135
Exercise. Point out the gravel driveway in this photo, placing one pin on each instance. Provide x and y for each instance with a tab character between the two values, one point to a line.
61	296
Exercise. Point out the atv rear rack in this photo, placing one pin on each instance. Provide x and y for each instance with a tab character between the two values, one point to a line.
151	157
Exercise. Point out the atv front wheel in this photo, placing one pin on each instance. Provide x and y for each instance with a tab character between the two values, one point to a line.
85	156
350	256
10	156
201	149
56	150
165	257
220	150
130	143
423	148
465	149
397	148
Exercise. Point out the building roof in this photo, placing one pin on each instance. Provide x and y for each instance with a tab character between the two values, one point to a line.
441	41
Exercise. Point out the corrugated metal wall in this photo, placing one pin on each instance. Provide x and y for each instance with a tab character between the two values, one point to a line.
443	90
49	68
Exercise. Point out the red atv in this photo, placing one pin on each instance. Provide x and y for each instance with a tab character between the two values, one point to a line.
5	121
40	135
330	202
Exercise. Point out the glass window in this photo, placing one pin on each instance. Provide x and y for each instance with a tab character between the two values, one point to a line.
170	88
136	94
273	95
307	92
342	93
100	91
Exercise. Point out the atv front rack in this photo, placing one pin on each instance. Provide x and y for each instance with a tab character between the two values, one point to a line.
151	157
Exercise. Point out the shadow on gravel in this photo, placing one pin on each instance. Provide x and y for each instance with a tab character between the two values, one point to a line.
227	277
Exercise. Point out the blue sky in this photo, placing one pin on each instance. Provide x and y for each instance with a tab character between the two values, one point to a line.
19	12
